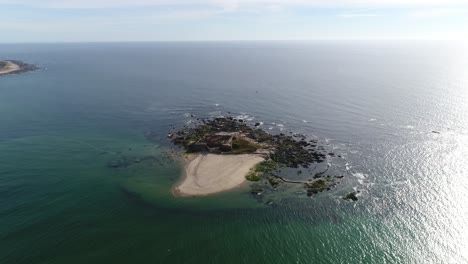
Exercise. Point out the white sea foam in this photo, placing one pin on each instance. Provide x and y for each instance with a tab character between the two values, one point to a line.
243	116
362	179
360	175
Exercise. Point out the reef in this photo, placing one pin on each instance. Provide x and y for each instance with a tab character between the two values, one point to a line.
231	136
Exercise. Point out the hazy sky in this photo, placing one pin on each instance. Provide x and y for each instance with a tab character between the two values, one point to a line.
154	20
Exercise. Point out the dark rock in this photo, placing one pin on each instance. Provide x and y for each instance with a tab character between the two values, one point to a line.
274	182
257	191
351	196
197	147
320	185
222	142
227	135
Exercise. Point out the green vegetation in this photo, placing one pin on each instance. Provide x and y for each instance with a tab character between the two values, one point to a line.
266	166
253	176
242	146
262	168
260	135
319	185
230	136
199	133
274	181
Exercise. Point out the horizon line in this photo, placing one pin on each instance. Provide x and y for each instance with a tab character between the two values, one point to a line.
234	40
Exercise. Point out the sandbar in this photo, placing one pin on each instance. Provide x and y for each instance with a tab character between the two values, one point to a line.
211	173
9	68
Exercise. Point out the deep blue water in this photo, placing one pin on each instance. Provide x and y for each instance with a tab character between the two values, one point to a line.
395	111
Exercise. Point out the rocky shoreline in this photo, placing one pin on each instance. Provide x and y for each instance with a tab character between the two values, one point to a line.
231	136
22	67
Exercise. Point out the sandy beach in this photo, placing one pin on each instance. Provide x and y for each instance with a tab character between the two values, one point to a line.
9	68
210	173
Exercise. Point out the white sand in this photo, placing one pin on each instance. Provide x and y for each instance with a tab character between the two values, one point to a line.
208	174
9	68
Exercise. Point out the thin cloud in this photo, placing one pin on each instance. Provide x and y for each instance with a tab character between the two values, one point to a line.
233	4
353	15
437	12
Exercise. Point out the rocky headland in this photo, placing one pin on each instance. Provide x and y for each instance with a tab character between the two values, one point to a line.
15	67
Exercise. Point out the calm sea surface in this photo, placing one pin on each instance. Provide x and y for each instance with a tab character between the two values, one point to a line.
397	113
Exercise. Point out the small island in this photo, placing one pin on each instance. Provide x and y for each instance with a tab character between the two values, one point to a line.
15	67
222	153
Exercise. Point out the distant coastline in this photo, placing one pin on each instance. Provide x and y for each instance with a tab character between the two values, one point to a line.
15	67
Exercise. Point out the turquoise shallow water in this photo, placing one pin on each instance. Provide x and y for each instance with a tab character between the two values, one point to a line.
375	104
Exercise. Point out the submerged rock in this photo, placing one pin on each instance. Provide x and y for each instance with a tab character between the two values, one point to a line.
152	136
116	164
124	162
257	191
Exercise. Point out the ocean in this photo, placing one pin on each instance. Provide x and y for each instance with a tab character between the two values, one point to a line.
396	112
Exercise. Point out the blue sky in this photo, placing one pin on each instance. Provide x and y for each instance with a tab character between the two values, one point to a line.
186	20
